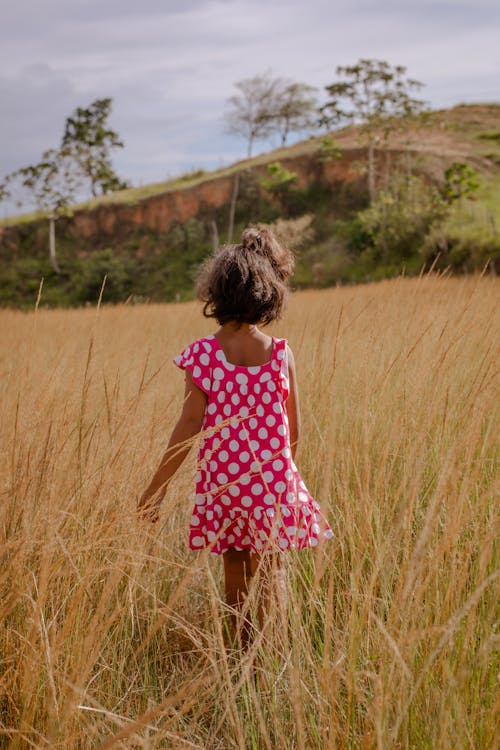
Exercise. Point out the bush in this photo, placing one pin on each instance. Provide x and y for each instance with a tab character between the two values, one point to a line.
89	278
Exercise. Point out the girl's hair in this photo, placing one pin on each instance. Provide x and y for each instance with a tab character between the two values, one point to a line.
247	282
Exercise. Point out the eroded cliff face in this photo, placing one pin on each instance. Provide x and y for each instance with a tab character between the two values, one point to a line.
158	213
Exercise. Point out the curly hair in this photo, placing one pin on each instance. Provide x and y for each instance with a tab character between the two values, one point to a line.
247	282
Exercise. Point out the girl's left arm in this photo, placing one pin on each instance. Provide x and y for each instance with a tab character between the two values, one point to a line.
188	425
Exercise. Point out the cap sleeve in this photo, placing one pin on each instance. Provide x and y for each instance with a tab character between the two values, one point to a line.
196	359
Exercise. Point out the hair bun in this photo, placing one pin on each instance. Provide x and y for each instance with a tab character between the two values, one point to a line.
251	239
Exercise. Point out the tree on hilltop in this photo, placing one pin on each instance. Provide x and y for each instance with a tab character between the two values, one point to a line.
268	104
373	94
91	139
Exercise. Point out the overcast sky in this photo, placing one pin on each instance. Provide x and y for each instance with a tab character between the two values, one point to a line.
170	65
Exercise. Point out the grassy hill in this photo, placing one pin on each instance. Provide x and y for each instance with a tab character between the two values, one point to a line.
150	240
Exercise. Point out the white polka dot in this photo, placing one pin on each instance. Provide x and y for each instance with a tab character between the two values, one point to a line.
275	443
285	511
211	535
233	467
254	445
265	377
227	410
281	354
246	501
234	422
328	534
283	543
225	433
229	386
266	455
196	348
235	399
243	435
275	365
253	423
206	383
197	541
225	499
269	498
271	386
313	542
257	489
262	433
243	390
280	487
257	513
268	476
251	400
229	366
222	478
216	385
245	479
218	373
213	466
281	429
257	388
260	410
278	465
224	456
221	397
210	515
245	541
244	456
241	378
220	355
207	346
270	420
218	418
277	408
289	474
196	371
244	412
195	520
266	398
234	446
204	359
211	408
254	370
230	538
255	467
270	511
315	528
234	490
286	452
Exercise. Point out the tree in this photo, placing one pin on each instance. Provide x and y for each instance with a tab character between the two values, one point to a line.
296	107
53	183
373	94
252	109
91	139
267	104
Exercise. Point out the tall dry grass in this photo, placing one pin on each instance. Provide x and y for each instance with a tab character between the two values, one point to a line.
112	632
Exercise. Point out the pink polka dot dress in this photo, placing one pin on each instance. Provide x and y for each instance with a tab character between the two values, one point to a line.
249	493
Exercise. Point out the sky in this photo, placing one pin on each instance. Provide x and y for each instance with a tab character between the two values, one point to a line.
171	65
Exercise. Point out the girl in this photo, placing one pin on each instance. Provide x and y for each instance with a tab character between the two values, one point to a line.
251	503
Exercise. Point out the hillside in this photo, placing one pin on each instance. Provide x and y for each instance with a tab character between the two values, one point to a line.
156	235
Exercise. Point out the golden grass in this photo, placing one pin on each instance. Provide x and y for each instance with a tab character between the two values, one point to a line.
112	632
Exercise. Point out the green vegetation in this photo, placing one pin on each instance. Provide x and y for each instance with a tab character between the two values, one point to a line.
428	210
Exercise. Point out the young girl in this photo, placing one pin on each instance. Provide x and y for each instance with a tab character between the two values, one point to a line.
251	503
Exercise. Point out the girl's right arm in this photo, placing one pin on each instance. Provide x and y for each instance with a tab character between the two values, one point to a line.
292	404
188	425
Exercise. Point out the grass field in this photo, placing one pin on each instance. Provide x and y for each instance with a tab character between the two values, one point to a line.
112	632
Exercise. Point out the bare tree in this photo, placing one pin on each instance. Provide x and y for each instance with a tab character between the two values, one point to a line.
253	108
296	108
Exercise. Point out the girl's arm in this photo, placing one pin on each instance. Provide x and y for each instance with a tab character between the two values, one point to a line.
292	404
188	425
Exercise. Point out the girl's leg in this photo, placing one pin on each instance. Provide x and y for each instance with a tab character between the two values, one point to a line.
238	571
